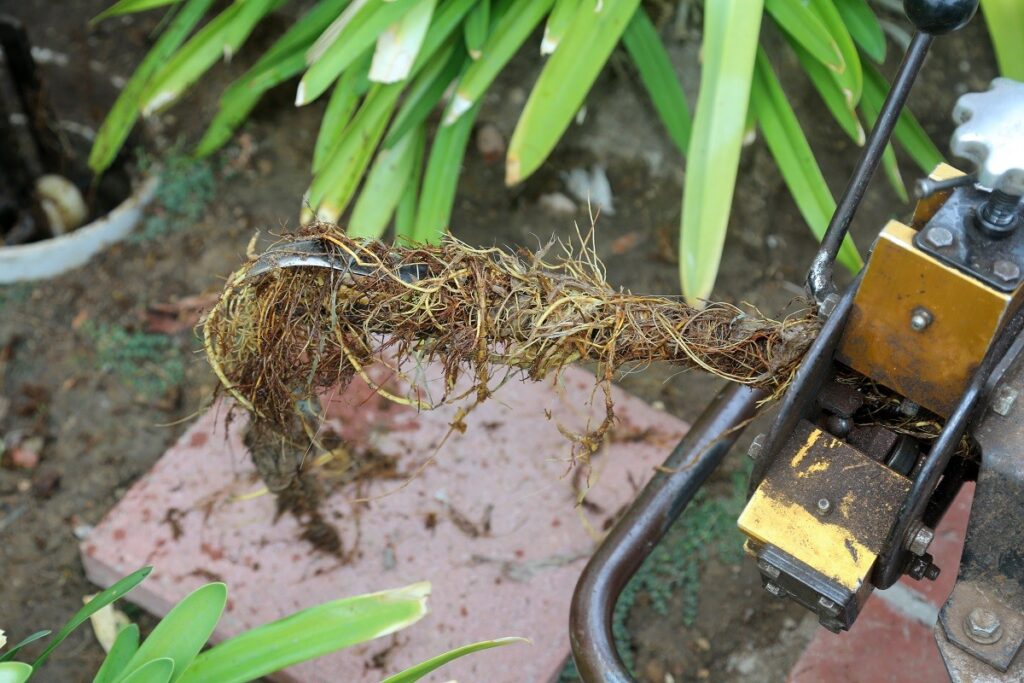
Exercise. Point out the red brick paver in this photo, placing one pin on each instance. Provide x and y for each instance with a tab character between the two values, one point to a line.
190	517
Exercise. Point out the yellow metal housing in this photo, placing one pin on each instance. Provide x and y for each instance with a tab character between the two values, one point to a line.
930	366
863	496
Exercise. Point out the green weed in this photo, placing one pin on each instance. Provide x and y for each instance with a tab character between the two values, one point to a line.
706	529
186	186
149	363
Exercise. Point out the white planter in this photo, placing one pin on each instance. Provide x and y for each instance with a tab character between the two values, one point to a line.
51	257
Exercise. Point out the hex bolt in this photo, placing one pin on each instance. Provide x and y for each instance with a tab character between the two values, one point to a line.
756	446
1002	402
920	541
920	318
1007	271
775	590
939	237
824	506
983	626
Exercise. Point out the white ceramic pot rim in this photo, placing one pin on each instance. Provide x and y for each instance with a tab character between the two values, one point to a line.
49	258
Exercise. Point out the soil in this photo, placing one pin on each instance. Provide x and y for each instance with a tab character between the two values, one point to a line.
102	427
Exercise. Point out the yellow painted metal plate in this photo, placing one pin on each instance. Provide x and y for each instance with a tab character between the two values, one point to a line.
863	496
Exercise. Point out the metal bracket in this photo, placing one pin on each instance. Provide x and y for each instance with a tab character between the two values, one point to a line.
952	238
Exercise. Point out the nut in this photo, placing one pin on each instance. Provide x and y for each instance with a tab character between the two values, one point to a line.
1003	400
921	540
983	626
756	446
939	237
824	506
768	569
1007	271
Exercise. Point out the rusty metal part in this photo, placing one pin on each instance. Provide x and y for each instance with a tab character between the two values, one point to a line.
641	527
930	364
984	615
834	552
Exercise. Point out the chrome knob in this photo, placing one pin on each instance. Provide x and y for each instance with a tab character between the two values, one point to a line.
991	135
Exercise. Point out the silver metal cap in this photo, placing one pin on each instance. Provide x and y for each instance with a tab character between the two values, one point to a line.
991	134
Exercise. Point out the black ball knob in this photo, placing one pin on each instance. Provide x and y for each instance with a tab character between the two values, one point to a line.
940	16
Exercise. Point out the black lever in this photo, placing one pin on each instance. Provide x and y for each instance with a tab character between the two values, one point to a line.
932	18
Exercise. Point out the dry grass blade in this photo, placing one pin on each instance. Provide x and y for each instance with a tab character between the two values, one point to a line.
288	333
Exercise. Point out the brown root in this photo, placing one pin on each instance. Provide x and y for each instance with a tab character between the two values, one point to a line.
286	335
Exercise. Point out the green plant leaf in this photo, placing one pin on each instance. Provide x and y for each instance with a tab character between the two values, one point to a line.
154	671
329	58
558	23
14	649
889	163
218	40
415	673
509	34
405	213
426	91
1005	21
803	26
285	59
308	634
399	44
183	632
441	178
476	27
130	7
565	81
652	62
731	30
14	672
344	99
101	600
336	183
834	98
863	25
851	77
121	652
793	154
384	186
122	116
908	132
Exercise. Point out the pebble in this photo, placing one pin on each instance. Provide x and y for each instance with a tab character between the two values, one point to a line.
789	623
654	671
490	143
556	202
45	482
703	644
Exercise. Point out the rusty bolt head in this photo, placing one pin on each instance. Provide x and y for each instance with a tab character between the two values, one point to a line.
1007	271
983	626
939	237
